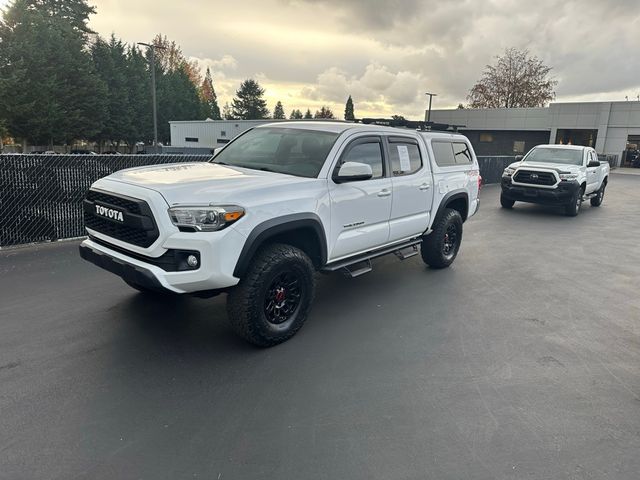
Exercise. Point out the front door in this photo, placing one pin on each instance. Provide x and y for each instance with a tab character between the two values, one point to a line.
592	173
360	210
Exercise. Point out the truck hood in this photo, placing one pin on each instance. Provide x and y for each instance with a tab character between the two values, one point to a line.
558	167
202	182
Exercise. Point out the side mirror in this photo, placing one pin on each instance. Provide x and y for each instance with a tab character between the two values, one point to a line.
593	163
353	171
519	157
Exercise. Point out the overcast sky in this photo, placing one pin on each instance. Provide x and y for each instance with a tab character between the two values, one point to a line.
386	54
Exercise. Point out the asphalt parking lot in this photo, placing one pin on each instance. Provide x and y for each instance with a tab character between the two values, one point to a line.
520	361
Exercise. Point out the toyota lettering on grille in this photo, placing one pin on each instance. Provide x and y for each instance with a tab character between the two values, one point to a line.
534	176
110	213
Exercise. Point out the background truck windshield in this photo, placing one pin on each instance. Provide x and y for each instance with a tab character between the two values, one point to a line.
555	155
293	151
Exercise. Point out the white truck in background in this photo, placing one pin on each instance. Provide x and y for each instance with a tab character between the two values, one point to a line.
563	175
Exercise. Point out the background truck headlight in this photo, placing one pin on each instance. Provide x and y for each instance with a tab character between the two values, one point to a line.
205	218
508	171
568	176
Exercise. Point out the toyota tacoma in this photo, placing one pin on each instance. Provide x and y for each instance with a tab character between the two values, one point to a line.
277	204
563	175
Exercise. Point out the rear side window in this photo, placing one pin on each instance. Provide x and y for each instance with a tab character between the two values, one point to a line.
369	153
443	153
461	152
405	156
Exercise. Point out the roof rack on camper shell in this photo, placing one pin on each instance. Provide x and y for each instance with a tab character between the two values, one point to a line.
415	124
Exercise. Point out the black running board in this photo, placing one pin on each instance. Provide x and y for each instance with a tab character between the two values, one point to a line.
361	264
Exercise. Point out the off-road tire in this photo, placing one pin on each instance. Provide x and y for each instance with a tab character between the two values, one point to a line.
573	208
247	302
597	200
506	202
433	249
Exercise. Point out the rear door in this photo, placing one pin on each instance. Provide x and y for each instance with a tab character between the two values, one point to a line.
360	210
412	187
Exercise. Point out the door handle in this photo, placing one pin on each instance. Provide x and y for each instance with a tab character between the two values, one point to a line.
384	193
425	186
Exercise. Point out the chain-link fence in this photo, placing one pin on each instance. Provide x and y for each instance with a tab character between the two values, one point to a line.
41	195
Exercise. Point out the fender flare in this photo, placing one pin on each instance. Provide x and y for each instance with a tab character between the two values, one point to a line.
453	195
269	228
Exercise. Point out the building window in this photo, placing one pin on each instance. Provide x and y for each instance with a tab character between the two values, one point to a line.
223	140
486	138
518	146
223	133
191	139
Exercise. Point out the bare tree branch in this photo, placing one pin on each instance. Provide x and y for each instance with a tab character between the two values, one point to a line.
516	80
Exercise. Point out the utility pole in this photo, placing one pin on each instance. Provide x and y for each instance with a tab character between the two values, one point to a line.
152	48
428	115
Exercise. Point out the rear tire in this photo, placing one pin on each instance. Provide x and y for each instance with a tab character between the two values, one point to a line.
440	247
597	200
573	208
506	202
272	301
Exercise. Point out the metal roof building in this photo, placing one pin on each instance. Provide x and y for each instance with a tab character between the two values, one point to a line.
610	127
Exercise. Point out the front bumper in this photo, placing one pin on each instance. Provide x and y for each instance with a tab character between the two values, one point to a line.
127	271
218	253
561	195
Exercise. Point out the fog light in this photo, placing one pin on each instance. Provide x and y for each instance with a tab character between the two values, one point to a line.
192	261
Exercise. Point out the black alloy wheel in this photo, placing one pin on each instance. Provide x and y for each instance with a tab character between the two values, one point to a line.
282	298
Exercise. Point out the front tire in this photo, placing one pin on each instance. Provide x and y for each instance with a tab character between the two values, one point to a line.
573	208
271	303
506	202
440	247
597	200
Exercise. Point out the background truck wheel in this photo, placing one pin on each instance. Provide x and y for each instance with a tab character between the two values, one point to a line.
573	208
597	200
506	202
440	247
271	303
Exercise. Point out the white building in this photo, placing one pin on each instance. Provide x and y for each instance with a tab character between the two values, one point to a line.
610	127
209	133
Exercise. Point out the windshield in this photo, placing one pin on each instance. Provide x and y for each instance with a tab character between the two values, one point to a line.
554	155
293	151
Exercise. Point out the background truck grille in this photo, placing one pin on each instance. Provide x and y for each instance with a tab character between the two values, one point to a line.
535	177
133	232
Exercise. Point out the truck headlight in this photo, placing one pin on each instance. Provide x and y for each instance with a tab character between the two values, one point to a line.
568	176
205	219
508	171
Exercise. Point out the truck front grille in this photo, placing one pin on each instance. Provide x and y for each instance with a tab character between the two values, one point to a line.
138	226
533	177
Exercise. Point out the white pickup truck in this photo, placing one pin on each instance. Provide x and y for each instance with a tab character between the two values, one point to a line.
562	175
276	204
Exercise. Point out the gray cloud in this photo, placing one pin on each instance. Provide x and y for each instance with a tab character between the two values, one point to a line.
387	53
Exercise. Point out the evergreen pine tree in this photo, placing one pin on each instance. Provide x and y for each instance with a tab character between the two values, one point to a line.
249	103
308	114
209	98
278	111
348	110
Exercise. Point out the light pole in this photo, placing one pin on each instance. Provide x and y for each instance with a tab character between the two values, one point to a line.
153	47
428	115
